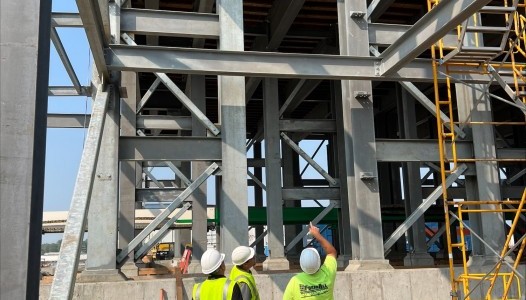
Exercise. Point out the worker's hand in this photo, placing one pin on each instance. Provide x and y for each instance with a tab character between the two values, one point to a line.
313	230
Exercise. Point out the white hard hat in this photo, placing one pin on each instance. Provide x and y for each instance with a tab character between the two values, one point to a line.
310	260
242	254
211	261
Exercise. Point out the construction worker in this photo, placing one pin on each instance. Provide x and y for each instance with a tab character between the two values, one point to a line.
216	286
314	282
244	259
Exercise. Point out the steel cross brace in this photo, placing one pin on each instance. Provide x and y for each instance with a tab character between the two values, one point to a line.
169	209
187	102
305	156
401	230
305	230
67	264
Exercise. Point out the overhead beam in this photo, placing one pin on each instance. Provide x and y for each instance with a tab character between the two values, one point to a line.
169	23
377	8
65	20
169	148
67	91
307	125
330	193
283	65
90	14
443	18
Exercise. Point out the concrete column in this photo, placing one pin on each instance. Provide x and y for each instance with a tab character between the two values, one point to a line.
276	259
198	197
258	199
418	255
360	175
103	210
475	106
24	44
130	172
234	198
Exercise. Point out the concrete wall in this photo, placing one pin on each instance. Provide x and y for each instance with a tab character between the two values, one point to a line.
383	285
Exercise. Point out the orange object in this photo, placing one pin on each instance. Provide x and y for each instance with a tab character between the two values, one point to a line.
185	259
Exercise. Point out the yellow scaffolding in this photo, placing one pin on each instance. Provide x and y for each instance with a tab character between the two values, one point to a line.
481	60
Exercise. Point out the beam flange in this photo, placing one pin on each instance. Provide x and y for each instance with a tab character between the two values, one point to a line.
169	23
440	20
283	65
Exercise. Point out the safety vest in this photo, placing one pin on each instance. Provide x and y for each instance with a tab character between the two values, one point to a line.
214	289
241	276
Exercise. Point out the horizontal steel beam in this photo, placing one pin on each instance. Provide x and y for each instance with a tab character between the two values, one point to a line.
307	125
169	23
164	122
169	148
281	65
65	20
67	91
157	195
68	120
209	148
310	193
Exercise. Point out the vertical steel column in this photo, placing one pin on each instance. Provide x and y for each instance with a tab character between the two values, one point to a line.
103	209
130	171
276	259
477	106
360	172
258	198
290	161
418	255
199	217
24	44
234	190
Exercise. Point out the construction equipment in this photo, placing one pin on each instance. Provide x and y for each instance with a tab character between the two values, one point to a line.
185	259
164	251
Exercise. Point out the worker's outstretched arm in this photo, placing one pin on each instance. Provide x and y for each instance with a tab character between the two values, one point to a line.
329	249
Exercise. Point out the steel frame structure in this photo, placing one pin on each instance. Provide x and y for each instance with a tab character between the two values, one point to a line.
196	141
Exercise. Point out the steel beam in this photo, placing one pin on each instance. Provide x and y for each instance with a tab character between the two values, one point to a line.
443	18
282	15
417	213
283	65
188	148
310	161
67	264
161	233
181	96
297	125
157	195
166	212
331	193
169	23
67	91
62	19
377	8
65	60
68	120
305	230
90	14
164	122
148	94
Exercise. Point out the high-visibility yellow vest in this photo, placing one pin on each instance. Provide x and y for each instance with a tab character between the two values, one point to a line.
245	277
214	289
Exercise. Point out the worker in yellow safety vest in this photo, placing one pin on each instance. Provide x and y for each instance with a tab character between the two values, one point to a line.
216	286
244	259
314	282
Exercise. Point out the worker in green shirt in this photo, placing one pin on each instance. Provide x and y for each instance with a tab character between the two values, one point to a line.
314	282
244	259
216	286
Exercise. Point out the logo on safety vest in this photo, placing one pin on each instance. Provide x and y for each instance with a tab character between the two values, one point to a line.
313	290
